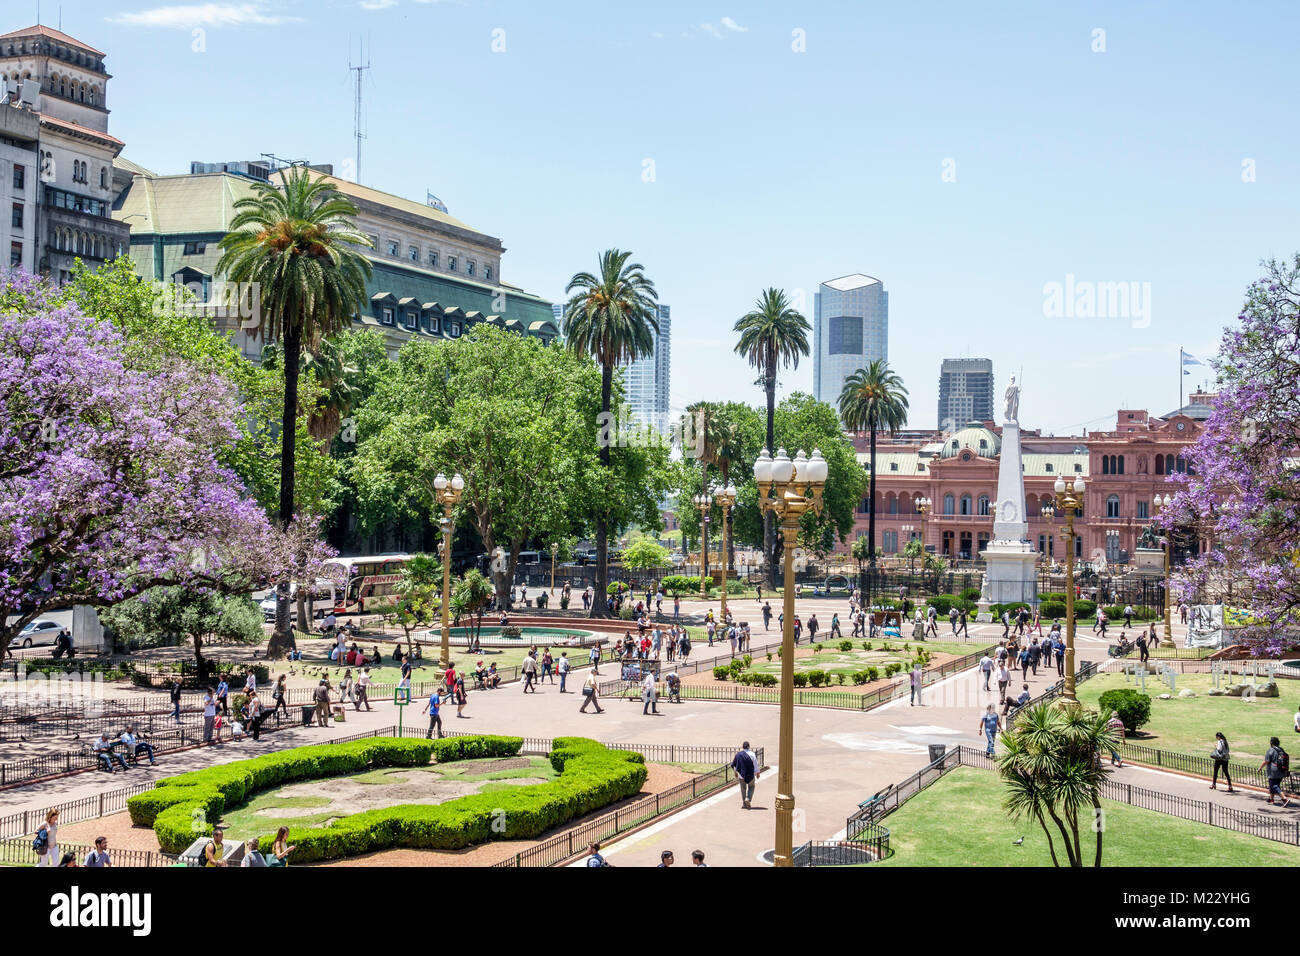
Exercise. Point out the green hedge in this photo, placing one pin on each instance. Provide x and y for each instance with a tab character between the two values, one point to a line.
1083	608
1051	610
591	777
180	808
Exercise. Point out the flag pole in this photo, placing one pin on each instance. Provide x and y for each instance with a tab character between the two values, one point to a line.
1180	376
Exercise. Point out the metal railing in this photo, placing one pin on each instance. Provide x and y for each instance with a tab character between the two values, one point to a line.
1245	773
19	852
870	846
1089	669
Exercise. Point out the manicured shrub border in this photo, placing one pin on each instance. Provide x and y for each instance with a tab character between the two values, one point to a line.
591	777
180	808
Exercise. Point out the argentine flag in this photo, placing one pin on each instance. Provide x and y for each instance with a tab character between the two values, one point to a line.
1188	360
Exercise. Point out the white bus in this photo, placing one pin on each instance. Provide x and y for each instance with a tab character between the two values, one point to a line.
364	580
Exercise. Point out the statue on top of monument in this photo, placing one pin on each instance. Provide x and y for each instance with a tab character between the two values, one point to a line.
1013	401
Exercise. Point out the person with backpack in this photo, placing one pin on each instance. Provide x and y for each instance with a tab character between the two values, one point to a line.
432	708
98	855
952	619
1277	763
46	842
175	694
746	769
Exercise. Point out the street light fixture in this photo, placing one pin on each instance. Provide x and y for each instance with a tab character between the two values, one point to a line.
555	548
1069	501
704	501
447	492
726	499
788	490
1160	504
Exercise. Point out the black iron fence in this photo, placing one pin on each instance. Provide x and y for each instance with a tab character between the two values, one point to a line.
19	852
1089	669
870	846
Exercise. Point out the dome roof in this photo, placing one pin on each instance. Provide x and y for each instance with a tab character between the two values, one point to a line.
984	442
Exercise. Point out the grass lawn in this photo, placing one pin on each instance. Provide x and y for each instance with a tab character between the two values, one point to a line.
959	821
1188	725
835	661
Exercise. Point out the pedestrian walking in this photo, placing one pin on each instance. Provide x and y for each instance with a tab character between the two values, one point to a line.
562	667
916	678
990	722
1144	653
961	629
767	616
548	666
746	770
209	714
590	695
649	699
223	697
529	671
434	708
1116	726
1277	764
46	843
1128	615
279	695
1004	679
932	622
986	668
98	855
1220	755
812	629
462	698
176	700
363	685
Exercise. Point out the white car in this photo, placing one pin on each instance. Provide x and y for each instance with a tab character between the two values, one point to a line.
40	631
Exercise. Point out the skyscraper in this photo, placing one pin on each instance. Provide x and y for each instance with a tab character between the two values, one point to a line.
850	330
647	380
965	392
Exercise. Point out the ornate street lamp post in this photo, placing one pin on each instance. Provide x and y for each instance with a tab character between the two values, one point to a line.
789	490
1048	513
555	548
447	493
1161	504
1069	502
726	498
704	501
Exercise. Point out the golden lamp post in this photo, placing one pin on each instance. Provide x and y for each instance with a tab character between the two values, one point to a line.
447	492
726	499
1069	502
704	501
1048	513
555	549
1160	505
789	490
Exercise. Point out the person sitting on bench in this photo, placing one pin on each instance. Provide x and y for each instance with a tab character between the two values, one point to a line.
1017	703
480	676
493	678
135	745
104	751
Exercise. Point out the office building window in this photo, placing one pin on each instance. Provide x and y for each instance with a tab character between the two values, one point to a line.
17	218
394	249
413	253
469	267
844	335
433	258
15	254
451	263
20	176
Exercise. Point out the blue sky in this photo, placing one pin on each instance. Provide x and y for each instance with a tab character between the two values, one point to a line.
778	167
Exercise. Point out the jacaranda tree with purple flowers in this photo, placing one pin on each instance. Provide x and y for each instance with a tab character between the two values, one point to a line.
1245	493
110	476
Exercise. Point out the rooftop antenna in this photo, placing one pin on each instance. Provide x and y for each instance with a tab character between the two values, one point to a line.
356	116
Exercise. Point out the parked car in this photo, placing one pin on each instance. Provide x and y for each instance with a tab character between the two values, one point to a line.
38	632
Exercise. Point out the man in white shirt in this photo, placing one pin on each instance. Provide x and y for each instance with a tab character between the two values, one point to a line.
134	745
648	697
986	668
562	666
103	748
363	683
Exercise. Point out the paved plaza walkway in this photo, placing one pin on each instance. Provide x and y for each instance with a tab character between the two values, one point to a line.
842	756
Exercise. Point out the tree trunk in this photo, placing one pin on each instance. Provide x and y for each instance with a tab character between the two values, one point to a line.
704	524
871	522
599	607
770	540
1097	825
288	433
301	609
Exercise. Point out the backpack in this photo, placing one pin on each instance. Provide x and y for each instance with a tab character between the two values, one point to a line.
41	843
1282	762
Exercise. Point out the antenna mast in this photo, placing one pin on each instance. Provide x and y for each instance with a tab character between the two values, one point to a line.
356	118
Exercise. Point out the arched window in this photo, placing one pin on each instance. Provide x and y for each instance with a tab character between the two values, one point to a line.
965	504
949	503
893	504
103	177
1160	464
1112	506
984	505
63	88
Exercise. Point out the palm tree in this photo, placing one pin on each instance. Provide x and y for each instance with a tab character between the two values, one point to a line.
337	380
873	398
613	317
298	243
1051	770
773	332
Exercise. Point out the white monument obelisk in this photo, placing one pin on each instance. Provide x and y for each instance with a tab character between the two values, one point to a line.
1010	562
